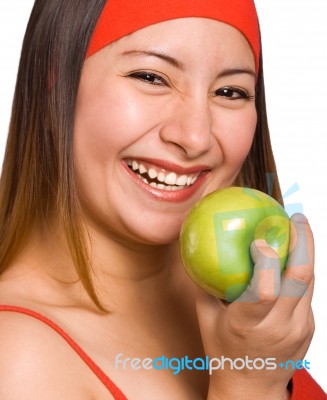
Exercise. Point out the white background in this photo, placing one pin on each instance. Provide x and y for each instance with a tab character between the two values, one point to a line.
294	35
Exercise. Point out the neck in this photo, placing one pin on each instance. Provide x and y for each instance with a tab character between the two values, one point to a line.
127	271
122	272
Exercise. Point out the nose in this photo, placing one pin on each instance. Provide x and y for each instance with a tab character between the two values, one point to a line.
189	128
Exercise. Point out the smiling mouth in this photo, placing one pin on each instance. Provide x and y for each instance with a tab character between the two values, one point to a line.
161	179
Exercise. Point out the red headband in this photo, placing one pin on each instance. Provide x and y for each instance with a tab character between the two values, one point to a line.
120	18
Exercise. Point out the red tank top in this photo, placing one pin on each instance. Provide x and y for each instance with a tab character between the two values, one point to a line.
113	389
304	387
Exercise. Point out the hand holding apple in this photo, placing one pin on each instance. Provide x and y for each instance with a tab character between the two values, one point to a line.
216	236
265	320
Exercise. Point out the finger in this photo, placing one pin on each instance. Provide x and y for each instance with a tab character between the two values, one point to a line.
208	309
306	302
301	311
299	272
264	288
304	305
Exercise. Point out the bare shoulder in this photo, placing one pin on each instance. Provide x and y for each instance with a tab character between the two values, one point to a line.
35	363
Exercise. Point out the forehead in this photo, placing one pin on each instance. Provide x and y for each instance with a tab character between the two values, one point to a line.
189	36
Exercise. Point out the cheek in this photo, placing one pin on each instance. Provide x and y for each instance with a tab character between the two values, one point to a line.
107	121
236	135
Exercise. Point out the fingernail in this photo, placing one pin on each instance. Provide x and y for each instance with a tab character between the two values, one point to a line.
298	217
260	243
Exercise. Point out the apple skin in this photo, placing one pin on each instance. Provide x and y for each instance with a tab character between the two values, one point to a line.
217	233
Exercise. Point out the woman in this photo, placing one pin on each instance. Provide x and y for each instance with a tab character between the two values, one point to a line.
125	115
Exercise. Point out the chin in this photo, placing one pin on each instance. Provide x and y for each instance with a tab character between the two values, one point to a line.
164	235
154	231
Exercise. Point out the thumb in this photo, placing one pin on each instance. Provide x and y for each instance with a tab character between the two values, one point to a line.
208	308
264	287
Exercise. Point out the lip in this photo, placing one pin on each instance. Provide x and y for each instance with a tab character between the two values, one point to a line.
165	195
171	167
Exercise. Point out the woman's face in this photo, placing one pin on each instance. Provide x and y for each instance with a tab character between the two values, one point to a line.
164	116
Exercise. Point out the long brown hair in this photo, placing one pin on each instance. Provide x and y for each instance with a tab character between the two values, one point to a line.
259	169
37	180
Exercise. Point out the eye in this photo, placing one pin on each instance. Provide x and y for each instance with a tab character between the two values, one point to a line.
149	77
232	93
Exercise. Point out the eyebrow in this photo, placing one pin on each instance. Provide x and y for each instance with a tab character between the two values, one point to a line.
151	53
236	71
178	64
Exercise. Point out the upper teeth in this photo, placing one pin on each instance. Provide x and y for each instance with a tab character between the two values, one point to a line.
168	178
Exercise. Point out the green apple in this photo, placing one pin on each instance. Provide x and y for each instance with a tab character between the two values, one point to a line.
217	233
